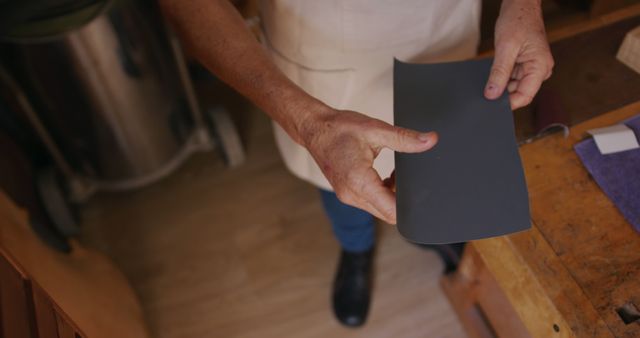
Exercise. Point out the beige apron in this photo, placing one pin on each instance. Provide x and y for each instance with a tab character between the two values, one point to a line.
342	51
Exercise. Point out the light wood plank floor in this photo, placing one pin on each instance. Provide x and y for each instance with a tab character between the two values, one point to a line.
249	252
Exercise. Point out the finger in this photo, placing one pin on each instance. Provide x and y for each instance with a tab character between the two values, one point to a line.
379	200
355	199
550	64
383	202
373	211
517	72
527	89
364	204
512	86
390	182
501	69
404	140
364	189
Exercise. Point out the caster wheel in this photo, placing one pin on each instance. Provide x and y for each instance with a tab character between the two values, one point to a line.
55	202
226	135
50	236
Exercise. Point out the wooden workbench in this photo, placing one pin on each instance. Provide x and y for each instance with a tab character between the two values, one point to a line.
572	273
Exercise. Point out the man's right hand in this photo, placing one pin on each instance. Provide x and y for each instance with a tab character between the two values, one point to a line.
345	144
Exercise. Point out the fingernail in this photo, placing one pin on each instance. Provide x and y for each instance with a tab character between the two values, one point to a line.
424	137
491	90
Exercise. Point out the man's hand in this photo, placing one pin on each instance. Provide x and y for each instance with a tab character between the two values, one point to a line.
522	56
345	144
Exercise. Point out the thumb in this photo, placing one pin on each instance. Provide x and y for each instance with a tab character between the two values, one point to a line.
501	69
406	140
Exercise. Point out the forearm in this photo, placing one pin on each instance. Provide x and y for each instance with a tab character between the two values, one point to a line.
343	143
215	33
532	3
524	7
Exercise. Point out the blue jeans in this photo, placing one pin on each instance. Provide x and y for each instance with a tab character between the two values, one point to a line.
354	228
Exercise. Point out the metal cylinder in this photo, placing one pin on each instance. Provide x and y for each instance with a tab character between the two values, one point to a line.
107	91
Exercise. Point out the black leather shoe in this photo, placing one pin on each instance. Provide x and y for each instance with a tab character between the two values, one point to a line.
352	288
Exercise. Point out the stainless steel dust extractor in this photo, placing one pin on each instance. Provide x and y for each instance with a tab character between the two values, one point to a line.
106	87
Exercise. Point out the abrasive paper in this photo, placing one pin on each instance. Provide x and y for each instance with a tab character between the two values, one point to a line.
471	185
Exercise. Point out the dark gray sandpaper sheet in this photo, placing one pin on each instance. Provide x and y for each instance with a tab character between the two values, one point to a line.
471	184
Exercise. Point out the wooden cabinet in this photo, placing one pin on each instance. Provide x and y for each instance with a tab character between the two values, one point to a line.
26	311
48	294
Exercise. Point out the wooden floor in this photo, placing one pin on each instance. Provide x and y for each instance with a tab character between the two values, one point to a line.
249	252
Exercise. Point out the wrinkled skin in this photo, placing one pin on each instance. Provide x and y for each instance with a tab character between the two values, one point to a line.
522	56
345	144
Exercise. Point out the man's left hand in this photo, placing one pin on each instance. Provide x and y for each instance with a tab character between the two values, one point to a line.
522	56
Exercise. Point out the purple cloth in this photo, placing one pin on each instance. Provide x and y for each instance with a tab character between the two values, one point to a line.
617	174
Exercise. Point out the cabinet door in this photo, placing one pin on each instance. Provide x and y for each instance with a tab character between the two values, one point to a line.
45	314
26	311
16	307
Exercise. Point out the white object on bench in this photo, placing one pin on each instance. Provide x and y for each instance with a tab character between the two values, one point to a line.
614	139
629	52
